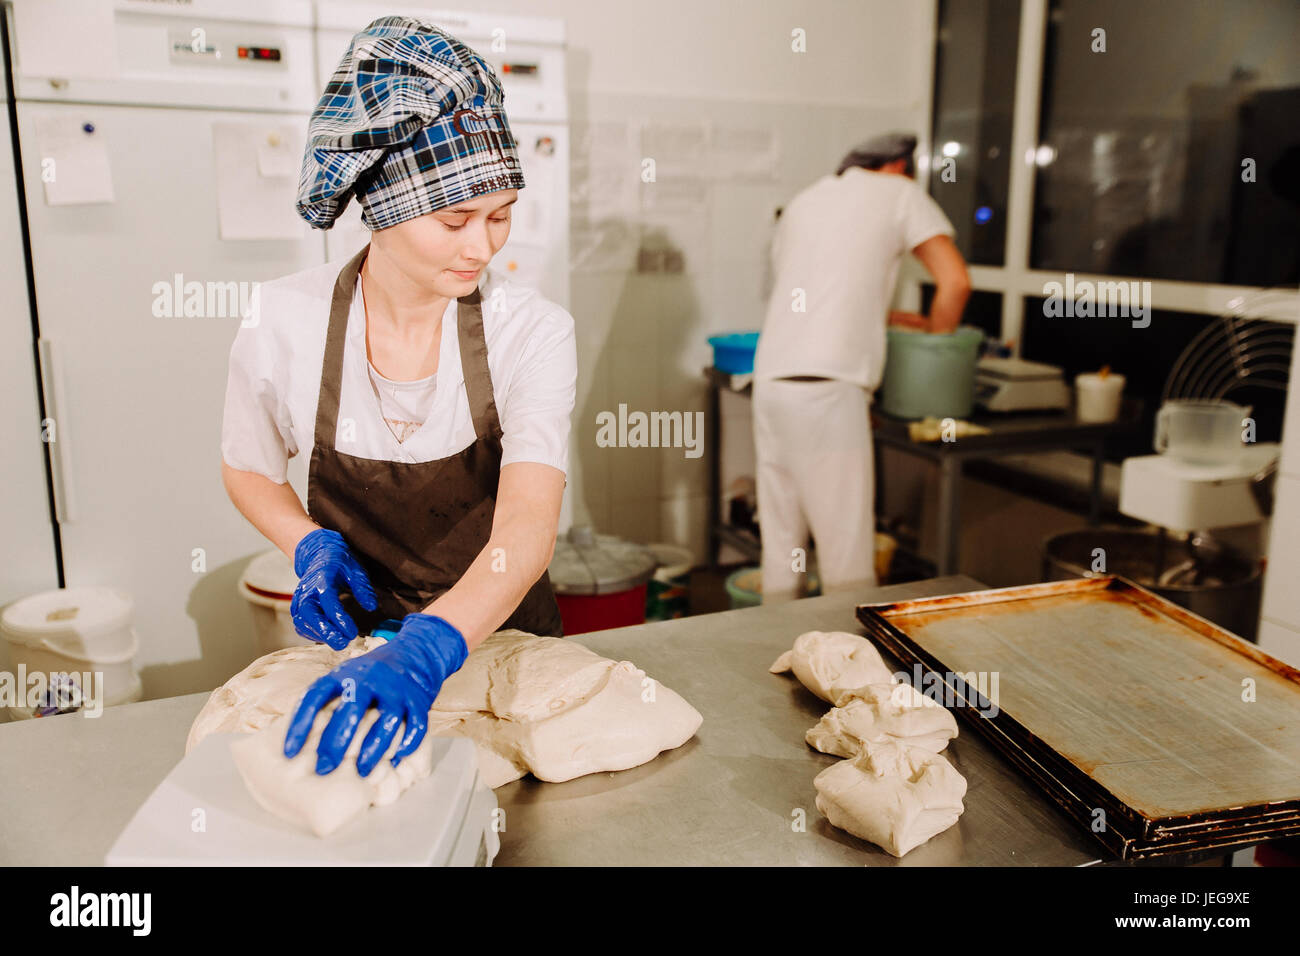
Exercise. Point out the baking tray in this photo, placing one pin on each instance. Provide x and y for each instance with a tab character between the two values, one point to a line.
1130	712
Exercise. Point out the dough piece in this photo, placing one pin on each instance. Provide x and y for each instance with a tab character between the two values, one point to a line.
270	686
293	791
893	795
829	663
624	721
544	676
882	713
932	429
529	703
498	761
467	689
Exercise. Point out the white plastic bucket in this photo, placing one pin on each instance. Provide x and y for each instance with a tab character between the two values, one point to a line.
267	584
74	630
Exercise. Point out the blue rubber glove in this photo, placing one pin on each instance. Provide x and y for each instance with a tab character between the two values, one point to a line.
323	562
401	678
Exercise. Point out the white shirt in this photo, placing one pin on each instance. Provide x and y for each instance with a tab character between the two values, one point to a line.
840	242
275	374
405	406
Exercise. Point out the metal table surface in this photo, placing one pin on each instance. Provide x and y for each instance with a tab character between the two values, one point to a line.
728	796
1009	434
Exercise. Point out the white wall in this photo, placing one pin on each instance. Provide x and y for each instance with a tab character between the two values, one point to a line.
725	64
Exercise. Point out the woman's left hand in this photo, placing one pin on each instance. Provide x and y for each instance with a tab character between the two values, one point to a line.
401	678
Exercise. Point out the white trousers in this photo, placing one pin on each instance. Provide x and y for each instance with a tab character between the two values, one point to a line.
815	474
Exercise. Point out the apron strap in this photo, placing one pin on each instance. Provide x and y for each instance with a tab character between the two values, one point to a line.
331	380
474	365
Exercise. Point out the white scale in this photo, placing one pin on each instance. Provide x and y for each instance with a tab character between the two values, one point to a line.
1018	385
446	819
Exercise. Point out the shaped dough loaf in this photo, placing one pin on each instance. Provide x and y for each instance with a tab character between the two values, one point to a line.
529	703
292	790
829	663
894	790
882	713
894	795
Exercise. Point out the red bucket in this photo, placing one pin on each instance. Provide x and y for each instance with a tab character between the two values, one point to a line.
600	580
596	612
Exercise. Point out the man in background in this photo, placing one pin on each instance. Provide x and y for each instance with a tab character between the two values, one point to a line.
834	260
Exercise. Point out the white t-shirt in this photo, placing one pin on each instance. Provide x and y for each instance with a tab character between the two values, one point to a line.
405	406
836	252
275	373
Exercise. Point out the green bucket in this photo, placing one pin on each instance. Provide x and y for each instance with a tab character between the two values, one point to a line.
745	587
930	376
668	593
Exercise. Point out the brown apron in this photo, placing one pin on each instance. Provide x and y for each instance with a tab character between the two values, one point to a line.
415	527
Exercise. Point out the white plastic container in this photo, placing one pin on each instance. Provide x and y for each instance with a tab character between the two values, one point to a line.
1097	397
1201	432
75	630
268	584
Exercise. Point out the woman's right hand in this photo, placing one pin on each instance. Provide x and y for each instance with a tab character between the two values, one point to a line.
323	564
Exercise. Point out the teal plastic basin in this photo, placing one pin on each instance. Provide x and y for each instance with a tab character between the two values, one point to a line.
734	353
930	375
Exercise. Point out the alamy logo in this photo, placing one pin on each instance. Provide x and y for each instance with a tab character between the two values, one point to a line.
1087	299
179	299
54	692
651	430
103	909
977	690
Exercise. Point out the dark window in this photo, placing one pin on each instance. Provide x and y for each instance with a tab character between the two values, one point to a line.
983	309
974	87
1140	169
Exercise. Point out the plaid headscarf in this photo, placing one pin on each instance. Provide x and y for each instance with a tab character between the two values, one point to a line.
411	121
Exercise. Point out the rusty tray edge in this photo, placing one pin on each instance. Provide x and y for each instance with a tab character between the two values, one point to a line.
1100	582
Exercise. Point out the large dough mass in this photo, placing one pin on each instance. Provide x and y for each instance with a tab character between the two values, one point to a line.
539	704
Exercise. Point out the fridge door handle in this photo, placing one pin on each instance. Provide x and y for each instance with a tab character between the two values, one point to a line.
54	431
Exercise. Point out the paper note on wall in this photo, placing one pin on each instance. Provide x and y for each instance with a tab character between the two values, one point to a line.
74	166
257	186
277	157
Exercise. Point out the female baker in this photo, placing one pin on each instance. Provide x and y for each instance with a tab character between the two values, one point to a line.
434	394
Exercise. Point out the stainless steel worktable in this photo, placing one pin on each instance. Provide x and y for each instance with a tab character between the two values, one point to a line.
727	796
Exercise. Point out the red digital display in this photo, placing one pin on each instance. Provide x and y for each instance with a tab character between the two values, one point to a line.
259	53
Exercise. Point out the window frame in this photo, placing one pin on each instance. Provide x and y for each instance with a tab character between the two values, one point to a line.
1015	279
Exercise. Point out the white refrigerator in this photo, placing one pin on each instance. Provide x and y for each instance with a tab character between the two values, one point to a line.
160	146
